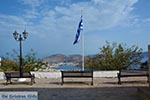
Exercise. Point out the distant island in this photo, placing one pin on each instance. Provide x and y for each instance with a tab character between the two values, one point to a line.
60	60
71	60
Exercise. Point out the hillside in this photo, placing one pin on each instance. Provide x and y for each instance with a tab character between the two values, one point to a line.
57	58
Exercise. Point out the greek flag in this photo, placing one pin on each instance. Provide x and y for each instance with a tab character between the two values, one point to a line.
80	28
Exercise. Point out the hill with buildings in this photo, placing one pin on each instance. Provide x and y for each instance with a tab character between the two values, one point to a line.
60	58
73	60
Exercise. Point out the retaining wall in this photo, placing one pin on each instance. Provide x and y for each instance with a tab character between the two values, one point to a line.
57	74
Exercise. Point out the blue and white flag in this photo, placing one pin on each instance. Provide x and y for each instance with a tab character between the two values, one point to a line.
80	28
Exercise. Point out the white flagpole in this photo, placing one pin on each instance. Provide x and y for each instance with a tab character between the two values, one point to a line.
82	47
82	50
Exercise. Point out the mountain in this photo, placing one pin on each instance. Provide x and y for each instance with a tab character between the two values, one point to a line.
58	58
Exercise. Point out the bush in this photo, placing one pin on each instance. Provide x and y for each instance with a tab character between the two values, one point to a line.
9	65
114	57
29	62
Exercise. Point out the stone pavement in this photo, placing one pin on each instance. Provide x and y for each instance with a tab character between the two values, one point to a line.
79	89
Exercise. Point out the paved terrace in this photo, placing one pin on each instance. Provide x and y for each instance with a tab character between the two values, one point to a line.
79	89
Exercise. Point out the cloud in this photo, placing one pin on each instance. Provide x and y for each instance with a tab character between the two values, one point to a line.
9	22
110	14
56	24
32	3
98	15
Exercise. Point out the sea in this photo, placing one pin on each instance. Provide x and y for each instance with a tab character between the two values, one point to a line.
68	67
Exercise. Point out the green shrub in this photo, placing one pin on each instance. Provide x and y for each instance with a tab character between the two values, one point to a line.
29	62
114	57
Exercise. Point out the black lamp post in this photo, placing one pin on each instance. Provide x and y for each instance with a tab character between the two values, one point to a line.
18	37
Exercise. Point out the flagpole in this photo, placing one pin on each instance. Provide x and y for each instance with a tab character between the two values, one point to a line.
82	47
80	31
82	50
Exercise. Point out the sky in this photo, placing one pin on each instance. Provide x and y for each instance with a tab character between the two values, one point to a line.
52	25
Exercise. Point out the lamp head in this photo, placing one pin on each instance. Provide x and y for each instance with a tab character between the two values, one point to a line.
25	34
15	34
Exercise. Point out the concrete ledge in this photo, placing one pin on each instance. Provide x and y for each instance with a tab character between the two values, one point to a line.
105	73
2	76
57	74
47	74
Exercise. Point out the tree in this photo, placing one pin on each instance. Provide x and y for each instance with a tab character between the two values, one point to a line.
8	65
30	62
115	56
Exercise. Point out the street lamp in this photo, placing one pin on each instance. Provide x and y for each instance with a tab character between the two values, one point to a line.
20	38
